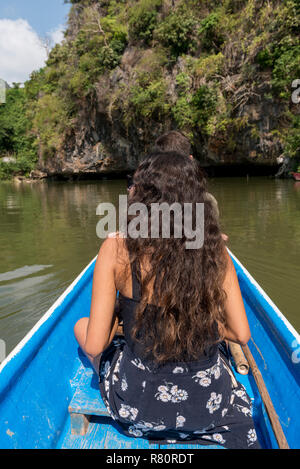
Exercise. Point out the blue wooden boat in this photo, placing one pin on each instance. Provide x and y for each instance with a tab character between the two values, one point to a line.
47	388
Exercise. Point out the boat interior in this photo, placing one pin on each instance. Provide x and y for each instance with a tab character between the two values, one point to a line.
49	396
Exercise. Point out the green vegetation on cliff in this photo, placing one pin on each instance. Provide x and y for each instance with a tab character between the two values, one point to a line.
215	70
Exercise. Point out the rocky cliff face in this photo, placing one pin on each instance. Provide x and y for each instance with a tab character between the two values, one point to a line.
101	146
210	79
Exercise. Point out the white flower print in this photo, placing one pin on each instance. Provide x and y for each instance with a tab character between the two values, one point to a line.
109	409
106	368
178	394
117	366
133	412
203	377
124	384
148	425
145	427
162	394
135	431
224	412
205	382
111	414
239	393
214	402
216	371
251	436
170	392
245	410
165	397
181	395
124	412
200	374
163	388
137	362
242	394
178	369
218	437
114	379
128	412
159	428
106	387
180	421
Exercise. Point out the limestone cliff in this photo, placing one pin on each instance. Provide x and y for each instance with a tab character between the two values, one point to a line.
127	71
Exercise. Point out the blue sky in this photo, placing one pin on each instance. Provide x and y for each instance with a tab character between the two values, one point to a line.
42	15
22	25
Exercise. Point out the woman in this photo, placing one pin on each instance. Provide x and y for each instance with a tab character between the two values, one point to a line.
167	380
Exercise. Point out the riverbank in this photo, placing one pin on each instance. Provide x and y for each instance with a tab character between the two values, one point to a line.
232	170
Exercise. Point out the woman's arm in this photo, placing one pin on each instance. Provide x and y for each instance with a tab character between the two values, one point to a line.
237	328
103	322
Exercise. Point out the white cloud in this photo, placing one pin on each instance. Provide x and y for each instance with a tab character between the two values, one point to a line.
21	49
57	35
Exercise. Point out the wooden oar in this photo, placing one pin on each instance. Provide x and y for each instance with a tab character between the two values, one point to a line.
241	362
276	426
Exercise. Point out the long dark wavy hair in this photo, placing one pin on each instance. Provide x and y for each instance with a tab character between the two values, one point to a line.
185	313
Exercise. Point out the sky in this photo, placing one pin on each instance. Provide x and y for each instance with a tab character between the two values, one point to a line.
22	25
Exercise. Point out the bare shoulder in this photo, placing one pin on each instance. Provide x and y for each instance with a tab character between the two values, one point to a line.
113	251
111	245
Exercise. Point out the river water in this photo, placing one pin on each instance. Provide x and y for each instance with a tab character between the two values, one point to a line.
48	235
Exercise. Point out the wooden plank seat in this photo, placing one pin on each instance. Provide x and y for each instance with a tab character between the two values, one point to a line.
86	402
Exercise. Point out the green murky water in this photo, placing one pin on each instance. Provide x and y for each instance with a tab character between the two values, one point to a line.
48	235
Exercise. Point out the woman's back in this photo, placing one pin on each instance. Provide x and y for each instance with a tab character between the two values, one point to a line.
167	379
130	292
183	401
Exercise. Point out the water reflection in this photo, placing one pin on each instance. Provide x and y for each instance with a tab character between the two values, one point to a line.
47	236
22	272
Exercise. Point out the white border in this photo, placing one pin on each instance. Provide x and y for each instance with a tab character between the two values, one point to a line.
43	319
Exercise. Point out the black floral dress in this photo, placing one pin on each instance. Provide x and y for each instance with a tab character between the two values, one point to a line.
198	402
